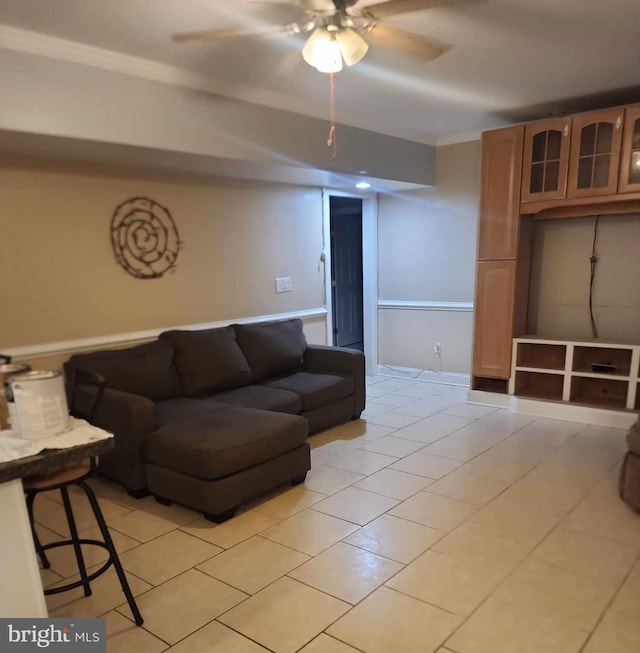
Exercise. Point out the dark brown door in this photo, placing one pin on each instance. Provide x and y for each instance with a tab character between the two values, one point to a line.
346	272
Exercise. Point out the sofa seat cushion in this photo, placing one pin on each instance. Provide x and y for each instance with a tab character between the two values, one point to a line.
208	360
225	441
272	348
315	390
262	397
146	370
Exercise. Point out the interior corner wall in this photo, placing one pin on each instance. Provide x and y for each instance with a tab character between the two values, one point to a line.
60	280
560	279
427	252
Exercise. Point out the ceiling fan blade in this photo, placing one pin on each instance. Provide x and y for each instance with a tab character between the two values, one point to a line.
211	35
397	7
412	45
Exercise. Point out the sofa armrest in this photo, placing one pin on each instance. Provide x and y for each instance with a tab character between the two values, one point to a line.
130	418
339	360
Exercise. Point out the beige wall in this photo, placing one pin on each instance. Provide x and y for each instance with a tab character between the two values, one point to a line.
427	251
559	292
60	281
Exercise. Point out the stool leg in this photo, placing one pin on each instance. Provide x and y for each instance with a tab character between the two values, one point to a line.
112	552
36	540
74	539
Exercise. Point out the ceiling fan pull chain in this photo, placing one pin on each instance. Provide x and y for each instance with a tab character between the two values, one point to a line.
331	140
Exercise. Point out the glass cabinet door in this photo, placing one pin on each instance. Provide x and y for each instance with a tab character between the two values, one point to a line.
546	159
596	142
630	161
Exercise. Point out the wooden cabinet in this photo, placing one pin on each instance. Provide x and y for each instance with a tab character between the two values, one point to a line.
630	160
493	320
596	142
545	162
504	243
573	166
500	193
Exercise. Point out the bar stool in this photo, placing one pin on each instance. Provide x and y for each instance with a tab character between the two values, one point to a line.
61	479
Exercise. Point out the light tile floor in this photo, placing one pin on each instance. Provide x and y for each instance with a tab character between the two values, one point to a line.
428	525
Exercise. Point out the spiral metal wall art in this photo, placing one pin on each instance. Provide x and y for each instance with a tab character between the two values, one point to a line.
144	237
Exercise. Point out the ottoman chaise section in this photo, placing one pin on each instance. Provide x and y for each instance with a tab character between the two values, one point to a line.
215	462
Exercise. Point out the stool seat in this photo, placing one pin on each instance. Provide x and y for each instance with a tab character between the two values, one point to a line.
60	479
67	474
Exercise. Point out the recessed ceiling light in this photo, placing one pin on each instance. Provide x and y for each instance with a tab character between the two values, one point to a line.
363	185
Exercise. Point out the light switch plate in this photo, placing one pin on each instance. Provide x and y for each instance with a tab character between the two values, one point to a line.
284	284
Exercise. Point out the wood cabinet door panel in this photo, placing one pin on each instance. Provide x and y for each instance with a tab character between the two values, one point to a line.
594	159
500	193
493	319
545	162
630	159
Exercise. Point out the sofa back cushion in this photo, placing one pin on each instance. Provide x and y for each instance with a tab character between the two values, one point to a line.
272	348
145	370
208	360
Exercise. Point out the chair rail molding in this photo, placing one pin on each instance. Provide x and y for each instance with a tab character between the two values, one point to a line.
65	347
410	305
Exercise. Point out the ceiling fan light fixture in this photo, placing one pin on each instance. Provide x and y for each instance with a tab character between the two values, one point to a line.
322	51
352	45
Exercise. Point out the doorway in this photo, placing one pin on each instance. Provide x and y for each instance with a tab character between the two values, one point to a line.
347	296
369	267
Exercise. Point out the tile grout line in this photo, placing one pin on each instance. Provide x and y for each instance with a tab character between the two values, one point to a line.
394	433
609	604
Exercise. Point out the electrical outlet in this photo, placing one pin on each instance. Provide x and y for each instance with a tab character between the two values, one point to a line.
437	348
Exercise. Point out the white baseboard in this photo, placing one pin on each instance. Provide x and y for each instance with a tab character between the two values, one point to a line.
433	376
555	410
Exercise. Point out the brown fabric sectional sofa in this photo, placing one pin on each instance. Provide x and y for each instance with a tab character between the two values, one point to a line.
214	417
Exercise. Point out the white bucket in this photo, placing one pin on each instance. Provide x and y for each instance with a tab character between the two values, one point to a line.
38	405
6	371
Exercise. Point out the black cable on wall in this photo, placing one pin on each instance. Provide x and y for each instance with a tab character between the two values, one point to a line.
593	261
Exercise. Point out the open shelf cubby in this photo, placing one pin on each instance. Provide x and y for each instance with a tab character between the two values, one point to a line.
542	355
539	385
589	372
618	359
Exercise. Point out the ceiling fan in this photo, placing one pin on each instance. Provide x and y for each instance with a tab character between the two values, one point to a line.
341	30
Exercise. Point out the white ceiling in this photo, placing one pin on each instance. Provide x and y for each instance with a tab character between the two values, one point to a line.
510	59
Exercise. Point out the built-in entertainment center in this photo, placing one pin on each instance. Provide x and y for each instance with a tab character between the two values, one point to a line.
568	168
